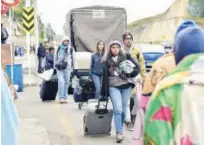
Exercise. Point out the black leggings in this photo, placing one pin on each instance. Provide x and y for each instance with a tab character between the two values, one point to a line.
132	103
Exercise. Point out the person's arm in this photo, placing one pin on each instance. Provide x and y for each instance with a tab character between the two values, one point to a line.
141	62
104	84
10	118
136	69
38	51
73	58
91	64
49	58
57	59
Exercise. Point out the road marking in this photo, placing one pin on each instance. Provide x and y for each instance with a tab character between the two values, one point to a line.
67	126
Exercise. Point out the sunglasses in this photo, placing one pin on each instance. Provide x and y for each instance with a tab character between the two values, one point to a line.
128	38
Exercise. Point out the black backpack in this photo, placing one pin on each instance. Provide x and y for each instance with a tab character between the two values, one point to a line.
4	34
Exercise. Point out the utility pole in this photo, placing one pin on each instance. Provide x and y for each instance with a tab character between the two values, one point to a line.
27	4
11	42
36	35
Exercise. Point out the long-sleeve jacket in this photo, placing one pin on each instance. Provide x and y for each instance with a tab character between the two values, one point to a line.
139	58
96	66
41	51
106	75
68	56
49	61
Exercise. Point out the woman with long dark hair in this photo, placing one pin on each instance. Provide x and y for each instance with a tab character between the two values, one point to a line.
96	68
119	68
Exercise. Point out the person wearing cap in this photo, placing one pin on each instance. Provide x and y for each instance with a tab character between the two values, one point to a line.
163	66
130	47
174	113
118	67
64	66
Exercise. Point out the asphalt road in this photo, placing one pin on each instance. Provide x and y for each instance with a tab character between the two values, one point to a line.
61	124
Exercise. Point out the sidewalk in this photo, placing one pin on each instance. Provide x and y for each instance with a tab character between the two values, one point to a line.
32	133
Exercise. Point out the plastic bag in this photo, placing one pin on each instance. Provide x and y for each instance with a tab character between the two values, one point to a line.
47	75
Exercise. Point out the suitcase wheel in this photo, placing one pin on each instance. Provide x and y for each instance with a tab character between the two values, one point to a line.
80	106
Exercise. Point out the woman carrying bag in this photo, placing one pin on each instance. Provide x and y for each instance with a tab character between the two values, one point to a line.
64	66
118	69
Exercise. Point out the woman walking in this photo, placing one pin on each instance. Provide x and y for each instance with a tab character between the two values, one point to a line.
64	65
96	68
118	69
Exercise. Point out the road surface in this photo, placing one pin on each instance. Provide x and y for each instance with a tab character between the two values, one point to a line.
51	123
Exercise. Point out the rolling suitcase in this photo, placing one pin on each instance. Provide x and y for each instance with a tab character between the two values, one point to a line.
49	90
98	118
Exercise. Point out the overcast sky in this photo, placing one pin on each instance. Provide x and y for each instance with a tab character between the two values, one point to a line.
54	11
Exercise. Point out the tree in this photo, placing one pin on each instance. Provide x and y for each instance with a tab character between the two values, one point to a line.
196	8
41	30
18	16
50	33
18	10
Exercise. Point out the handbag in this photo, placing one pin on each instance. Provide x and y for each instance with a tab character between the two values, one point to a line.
63	64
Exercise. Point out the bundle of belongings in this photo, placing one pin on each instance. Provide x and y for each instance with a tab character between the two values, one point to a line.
83	88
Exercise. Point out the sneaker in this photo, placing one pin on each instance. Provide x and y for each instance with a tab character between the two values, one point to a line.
61	101
130	126
65	101
119	138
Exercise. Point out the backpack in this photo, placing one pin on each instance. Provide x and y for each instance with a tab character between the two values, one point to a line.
4	34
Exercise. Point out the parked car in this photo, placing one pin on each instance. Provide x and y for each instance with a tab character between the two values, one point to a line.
151	54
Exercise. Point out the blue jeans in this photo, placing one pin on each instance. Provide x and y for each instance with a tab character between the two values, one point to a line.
97	82
63	82
3	41
120	99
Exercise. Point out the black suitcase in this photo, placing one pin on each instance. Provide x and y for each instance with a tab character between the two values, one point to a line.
49	90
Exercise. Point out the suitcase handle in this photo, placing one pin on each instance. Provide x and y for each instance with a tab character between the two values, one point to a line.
101	111
98	106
